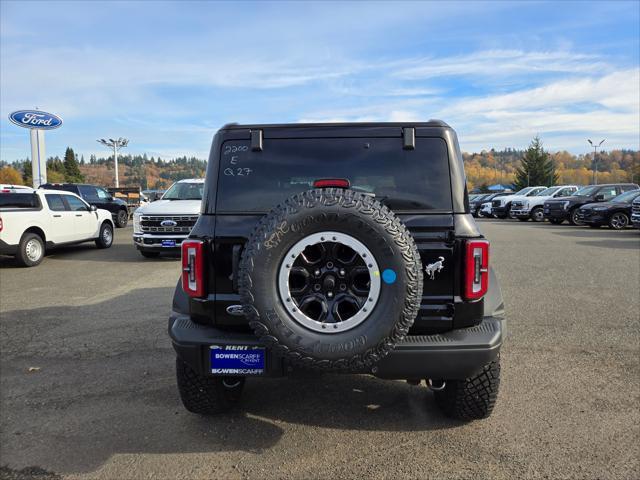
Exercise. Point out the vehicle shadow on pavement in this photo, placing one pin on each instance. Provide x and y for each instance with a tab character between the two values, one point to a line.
82	383
346	402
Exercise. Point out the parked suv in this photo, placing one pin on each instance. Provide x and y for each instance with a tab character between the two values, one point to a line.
559	210
532	207
344	248
98	197
616	212
34	221
161	226
500	207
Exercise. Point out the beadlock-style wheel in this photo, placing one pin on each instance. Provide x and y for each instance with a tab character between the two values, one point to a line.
329	282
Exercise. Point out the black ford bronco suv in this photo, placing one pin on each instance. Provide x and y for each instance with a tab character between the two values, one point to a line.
344	248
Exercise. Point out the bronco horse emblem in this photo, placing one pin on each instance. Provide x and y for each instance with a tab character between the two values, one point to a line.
434	267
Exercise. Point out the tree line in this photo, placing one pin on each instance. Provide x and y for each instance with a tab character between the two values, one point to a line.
510	167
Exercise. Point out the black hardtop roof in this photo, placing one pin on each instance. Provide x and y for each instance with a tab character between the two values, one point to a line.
430	123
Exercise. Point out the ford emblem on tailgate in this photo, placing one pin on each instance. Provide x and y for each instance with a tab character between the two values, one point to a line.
168	223
35	119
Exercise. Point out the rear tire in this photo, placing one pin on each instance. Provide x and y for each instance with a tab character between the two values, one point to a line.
619	221
31	250
122	218
149	254
105	239
207	395
472	398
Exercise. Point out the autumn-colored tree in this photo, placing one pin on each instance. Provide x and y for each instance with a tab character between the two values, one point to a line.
11	176
536	168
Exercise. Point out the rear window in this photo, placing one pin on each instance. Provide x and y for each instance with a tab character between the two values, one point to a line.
402	179
19	200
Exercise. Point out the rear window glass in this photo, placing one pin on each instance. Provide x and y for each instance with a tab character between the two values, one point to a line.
402	179
19	200
55	202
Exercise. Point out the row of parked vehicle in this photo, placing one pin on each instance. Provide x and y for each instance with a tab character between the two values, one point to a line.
33	221
616	205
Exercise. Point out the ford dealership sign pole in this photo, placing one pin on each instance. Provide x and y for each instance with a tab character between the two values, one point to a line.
37	122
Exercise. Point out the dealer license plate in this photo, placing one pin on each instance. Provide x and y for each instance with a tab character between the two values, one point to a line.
168	243
237	360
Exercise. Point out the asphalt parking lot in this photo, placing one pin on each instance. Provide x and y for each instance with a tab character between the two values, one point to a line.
100	400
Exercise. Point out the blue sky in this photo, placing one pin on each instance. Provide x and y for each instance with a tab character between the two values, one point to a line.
167	75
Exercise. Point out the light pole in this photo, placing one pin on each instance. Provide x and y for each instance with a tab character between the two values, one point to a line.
595	159
116	145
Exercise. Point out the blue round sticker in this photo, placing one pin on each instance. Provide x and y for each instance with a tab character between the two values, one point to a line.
389	276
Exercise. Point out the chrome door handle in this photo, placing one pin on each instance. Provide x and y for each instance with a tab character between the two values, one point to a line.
57	216
78	214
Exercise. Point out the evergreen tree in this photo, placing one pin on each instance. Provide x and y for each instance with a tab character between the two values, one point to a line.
82	160
71	169
537	167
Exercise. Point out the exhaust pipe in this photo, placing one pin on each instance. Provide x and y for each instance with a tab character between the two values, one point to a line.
436	385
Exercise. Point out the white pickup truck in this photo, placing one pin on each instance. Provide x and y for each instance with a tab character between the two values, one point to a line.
33	221
161	226
532	207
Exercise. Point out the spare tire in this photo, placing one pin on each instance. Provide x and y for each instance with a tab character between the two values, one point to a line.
331	279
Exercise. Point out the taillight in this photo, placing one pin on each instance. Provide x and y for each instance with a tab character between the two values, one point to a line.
193	268
1	225
332	182
476	274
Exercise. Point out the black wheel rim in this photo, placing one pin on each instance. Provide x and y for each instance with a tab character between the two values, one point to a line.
329	282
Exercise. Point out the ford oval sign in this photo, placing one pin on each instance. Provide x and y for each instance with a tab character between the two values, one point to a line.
168	223
35	119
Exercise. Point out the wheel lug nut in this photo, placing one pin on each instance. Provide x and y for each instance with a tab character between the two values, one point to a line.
330	294
342	272
317	273
317	287
343	287
329	265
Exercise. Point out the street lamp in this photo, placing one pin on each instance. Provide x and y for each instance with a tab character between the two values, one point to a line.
116	145
595	159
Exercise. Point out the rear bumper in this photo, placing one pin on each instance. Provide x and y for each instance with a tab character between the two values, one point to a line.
457	354
6	249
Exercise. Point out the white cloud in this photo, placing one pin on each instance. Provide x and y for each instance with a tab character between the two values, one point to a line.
501	63
564	110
